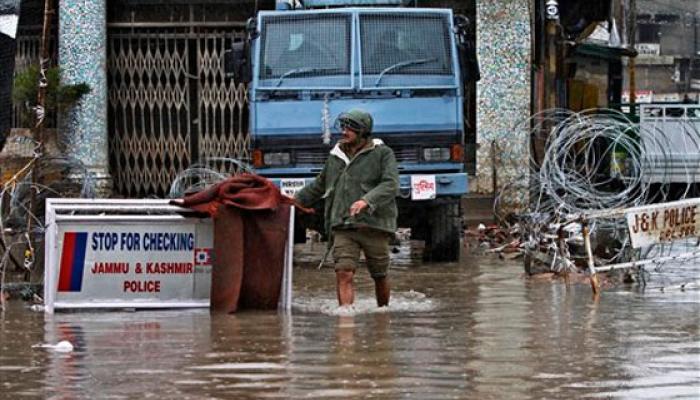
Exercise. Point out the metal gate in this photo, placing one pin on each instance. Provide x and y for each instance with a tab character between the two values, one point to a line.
170	104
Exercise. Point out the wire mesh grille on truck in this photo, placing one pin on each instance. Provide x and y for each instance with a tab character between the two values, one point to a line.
407	43
302	46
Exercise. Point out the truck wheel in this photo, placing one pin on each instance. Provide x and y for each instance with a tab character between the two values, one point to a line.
442	243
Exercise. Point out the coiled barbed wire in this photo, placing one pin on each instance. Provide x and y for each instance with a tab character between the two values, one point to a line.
575	171
205	173
594	160
42	176
22	198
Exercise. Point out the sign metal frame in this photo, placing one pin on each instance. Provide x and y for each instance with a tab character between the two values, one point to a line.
125	212
684	217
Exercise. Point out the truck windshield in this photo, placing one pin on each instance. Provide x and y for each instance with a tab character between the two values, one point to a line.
409	43
304	46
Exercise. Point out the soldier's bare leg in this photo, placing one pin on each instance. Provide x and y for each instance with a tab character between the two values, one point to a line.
382	291
344	286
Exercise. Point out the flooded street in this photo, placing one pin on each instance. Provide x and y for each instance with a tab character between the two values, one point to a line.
477	330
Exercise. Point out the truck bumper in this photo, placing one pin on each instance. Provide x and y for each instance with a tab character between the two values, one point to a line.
449	184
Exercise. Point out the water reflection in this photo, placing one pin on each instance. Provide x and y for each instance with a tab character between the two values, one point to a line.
125	354
471	331
502	321
249	357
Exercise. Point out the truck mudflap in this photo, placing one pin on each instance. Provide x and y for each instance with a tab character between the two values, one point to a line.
411	186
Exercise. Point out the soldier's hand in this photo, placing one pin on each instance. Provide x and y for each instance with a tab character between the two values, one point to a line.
357	207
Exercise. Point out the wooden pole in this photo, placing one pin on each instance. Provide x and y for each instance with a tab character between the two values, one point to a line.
44	63
551	65
632	33
589	253
563	253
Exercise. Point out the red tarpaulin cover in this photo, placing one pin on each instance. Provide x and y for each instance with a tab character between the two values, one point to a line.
251	221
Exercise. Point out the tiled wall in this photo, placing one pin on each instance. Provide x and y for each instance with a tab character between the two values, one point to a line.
503	97
82	57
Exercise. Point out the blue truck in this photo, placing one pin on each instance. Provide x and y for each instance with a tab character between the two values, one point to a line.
407	66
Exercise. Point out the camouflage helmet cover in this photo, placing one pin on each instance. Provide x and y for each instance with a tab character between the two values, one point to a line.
357	120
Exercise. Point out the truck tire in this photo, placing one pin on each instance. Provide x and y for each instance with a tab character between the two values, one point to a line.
442	243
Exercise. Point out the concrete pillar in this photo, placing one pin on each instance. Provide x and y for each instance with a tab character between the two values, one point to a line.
82	56
504	46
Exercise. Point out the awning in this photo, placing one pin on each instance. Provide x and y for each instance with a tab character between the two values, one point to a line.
9	17
603	52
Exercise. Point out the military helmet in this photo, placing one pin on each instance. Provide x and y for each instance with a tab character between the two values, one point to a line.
357	120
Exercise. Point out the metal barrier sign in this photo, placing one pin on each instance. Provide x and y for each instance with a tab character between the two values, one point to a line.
125	253
661	223
648	225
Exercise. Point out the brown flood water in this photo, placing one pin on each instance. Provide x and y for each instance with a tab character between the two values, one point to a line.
474	330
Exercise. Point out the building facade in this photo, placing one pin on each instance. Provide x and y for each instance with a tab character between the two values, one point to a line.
160	101
668	65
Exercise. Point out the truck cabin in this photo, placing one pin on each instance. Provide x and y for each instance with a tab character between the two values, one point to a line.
401	65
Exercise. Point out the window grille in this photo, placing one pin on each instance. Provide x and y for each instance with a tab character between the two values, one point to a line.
411	43
305	46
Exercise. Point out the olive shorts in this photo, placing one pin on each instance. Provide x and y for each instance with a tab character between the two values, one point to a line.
373	243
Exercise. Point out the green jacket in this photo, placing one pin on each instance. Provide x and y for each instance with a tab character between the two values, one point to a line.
371	175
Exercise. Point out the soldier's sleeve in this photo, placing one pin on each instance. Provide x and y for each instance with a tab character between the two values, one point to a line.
313	192
388	186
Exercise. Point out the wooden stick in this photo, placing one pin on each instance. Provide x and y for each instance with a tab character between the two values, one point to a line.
591	268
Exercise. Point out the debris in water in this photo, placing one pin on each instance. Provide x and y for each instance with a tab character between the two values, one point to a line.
63	346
